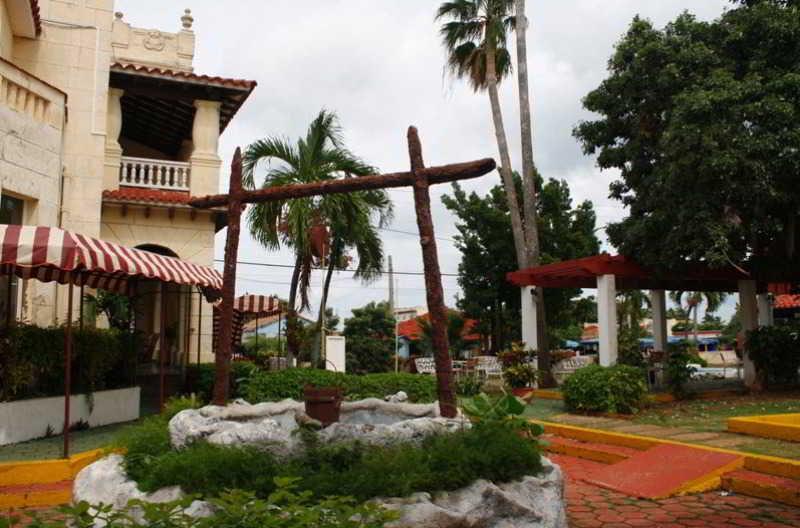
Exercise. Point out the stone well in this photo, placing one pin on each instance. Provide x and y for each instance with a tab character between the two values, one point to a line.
533	501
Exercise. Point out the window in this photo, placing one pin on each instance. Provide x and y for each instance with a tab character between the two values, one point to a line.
11	210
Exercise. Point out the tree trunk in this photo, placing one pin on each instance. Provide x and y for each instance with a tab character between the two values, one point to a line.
317	359
505	161
291	315
529	197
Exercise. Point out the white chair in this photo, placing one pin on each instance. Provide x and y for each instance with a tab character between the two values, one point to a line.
425	365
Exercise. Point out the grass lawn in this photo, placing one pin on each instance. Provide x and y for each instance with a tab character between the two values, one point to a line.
712	415
47	448
541	409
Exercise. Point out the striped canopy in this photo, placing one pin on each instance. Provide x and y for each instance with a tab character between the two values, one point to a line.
246	308
53	254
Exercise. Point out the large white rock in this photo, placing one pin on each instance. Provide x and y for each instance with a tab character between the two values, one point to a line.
532	502
106	483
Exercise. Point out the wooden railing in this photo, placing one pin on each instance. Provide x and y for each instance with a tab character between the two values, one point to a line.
154	174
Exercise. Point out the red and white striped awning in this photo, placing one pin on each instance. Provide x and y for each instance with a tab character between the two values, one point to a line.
53	254
246	308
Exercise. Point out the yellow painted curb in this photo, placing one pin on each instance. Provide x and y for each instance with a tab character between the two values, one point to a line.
710	481
777	466
31	472
780	426
761	490
586	453
35	499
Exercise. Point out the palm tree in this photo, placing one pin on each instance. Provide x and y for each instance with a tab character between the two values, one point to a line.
318	156
475	39
693	300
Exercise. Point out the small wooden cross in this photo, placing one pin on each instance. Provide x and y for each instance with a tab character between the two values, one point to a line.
420	178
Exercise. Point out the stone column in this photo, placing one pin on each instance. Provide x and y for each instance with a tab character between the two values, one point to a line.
749	313
765	317
607	318
205	142
113	155
528	312
658	301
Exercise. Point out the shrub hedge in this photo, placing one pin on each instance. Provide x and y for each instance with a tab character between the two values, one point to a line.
278	385
775	351
32	361
617	389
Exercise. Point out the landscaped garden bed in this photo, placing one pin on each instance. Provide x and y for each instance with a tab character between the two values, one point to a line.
447	472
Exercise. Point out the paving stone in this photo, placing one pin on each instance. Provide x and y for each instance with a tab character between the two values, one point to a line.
695	437
644	430
726	442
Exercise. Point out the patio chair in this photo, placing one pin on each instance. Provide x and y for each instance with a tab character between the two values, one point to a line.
488	367
425	365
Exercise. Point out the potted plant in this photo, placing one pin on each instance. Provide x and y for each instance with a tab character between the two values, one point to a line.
519	371
323	403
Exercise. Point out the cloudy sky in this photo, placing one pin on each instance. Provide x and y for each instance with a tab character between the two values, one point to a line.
378	64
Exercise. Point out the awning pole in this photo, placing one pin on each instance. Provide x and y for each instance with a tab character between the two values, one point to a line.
80	310
162	352
199	322
67	369
9	311
256	334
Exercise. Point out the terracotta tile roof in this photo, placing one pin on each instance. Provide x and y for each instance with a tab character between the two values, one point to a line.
37	19
412	331
783	302
140	194
185	76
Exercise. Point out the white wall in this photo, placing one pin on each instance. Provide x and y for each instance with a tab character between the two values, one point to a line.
27	419
335	353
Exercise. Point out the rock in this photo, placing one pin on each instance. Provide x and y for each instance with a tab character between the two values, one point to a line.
105	482
404	431
529	502
399	397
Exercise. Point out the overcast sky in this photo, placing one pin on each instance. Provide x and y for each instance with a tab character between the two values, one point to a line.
378	64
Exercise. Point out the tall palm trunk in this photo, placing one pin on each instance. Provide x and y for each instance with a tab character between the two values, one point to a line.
291	315
529	197
317	357
505	160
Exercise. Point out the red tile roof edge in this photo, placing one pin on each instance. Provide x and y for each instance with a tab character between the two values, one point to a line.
189	76
138	194
786	301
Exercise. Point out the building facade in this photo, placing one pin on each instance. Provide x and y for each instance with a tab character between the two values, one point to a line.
106	130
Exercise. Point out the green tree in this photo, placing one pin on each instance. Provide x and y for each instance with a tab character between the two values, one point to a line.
484	233
692	301
318	229
369	334
455	334
700	118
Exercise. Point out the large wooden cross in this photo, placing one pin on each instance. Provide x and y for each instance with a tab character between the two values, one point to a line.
419	177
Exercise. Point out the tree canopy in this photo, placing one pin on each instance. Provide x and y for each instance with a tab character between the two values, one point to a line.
700	118
487	248
370	338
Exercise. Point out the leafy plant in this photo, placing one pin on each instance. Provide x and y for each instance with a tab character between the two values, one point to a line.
677	371
518	368
775	351
469	385
505	410
616	389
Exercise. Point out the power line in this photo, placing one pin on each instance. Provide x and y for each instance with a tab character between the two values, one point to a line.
291	266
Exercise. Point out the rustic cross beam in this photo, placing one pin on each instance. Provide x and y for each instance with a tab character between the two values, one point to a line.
420	178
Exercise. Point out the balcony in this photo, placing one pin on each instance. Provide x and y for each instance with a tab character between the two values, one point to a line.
154	174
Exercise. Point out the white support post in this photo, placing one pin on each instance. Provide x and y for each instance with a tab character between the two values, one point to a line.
765	317
528	312
749	312
607	318
658	302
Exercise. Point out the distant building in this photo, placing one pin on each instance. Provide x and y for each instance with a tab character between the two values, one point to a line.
271	326
409	333
408	313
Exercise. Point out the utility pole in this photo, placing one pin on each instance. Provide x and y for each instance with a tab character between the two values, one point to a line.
394	315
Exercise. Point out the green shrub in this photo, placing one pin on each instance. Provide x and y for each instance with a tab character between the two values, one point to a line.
273	386
442	462
775	351
617	389
32	361
200	379
468	385
677	372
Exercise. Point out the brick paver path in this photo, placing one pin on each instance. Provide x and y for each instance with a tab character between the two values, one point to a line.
593	507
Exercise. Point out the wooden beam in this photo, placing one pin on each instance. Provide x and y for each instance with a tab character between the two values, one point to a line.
434	175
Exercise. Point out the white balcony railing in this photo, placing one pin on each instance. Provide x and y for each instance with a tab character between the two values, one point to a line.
154	174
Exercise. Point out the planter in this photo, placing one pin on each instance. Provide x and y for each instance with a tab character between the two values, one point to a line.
522	392
28	419
323	403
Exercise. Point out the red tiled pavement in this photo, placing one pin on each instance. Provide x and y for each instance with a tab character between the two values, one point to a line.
590	506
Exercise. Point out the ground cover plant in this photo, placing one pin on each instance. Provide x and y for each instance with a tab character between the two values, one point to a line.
617	389
441	462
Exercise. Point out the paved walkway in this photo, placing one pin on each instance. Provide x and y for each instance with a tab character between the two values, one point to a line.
593	507
713	439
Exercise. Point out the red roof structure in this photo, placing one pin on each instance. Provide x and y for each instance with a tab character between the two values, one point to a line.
412	330
144	195
583	273
786	302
